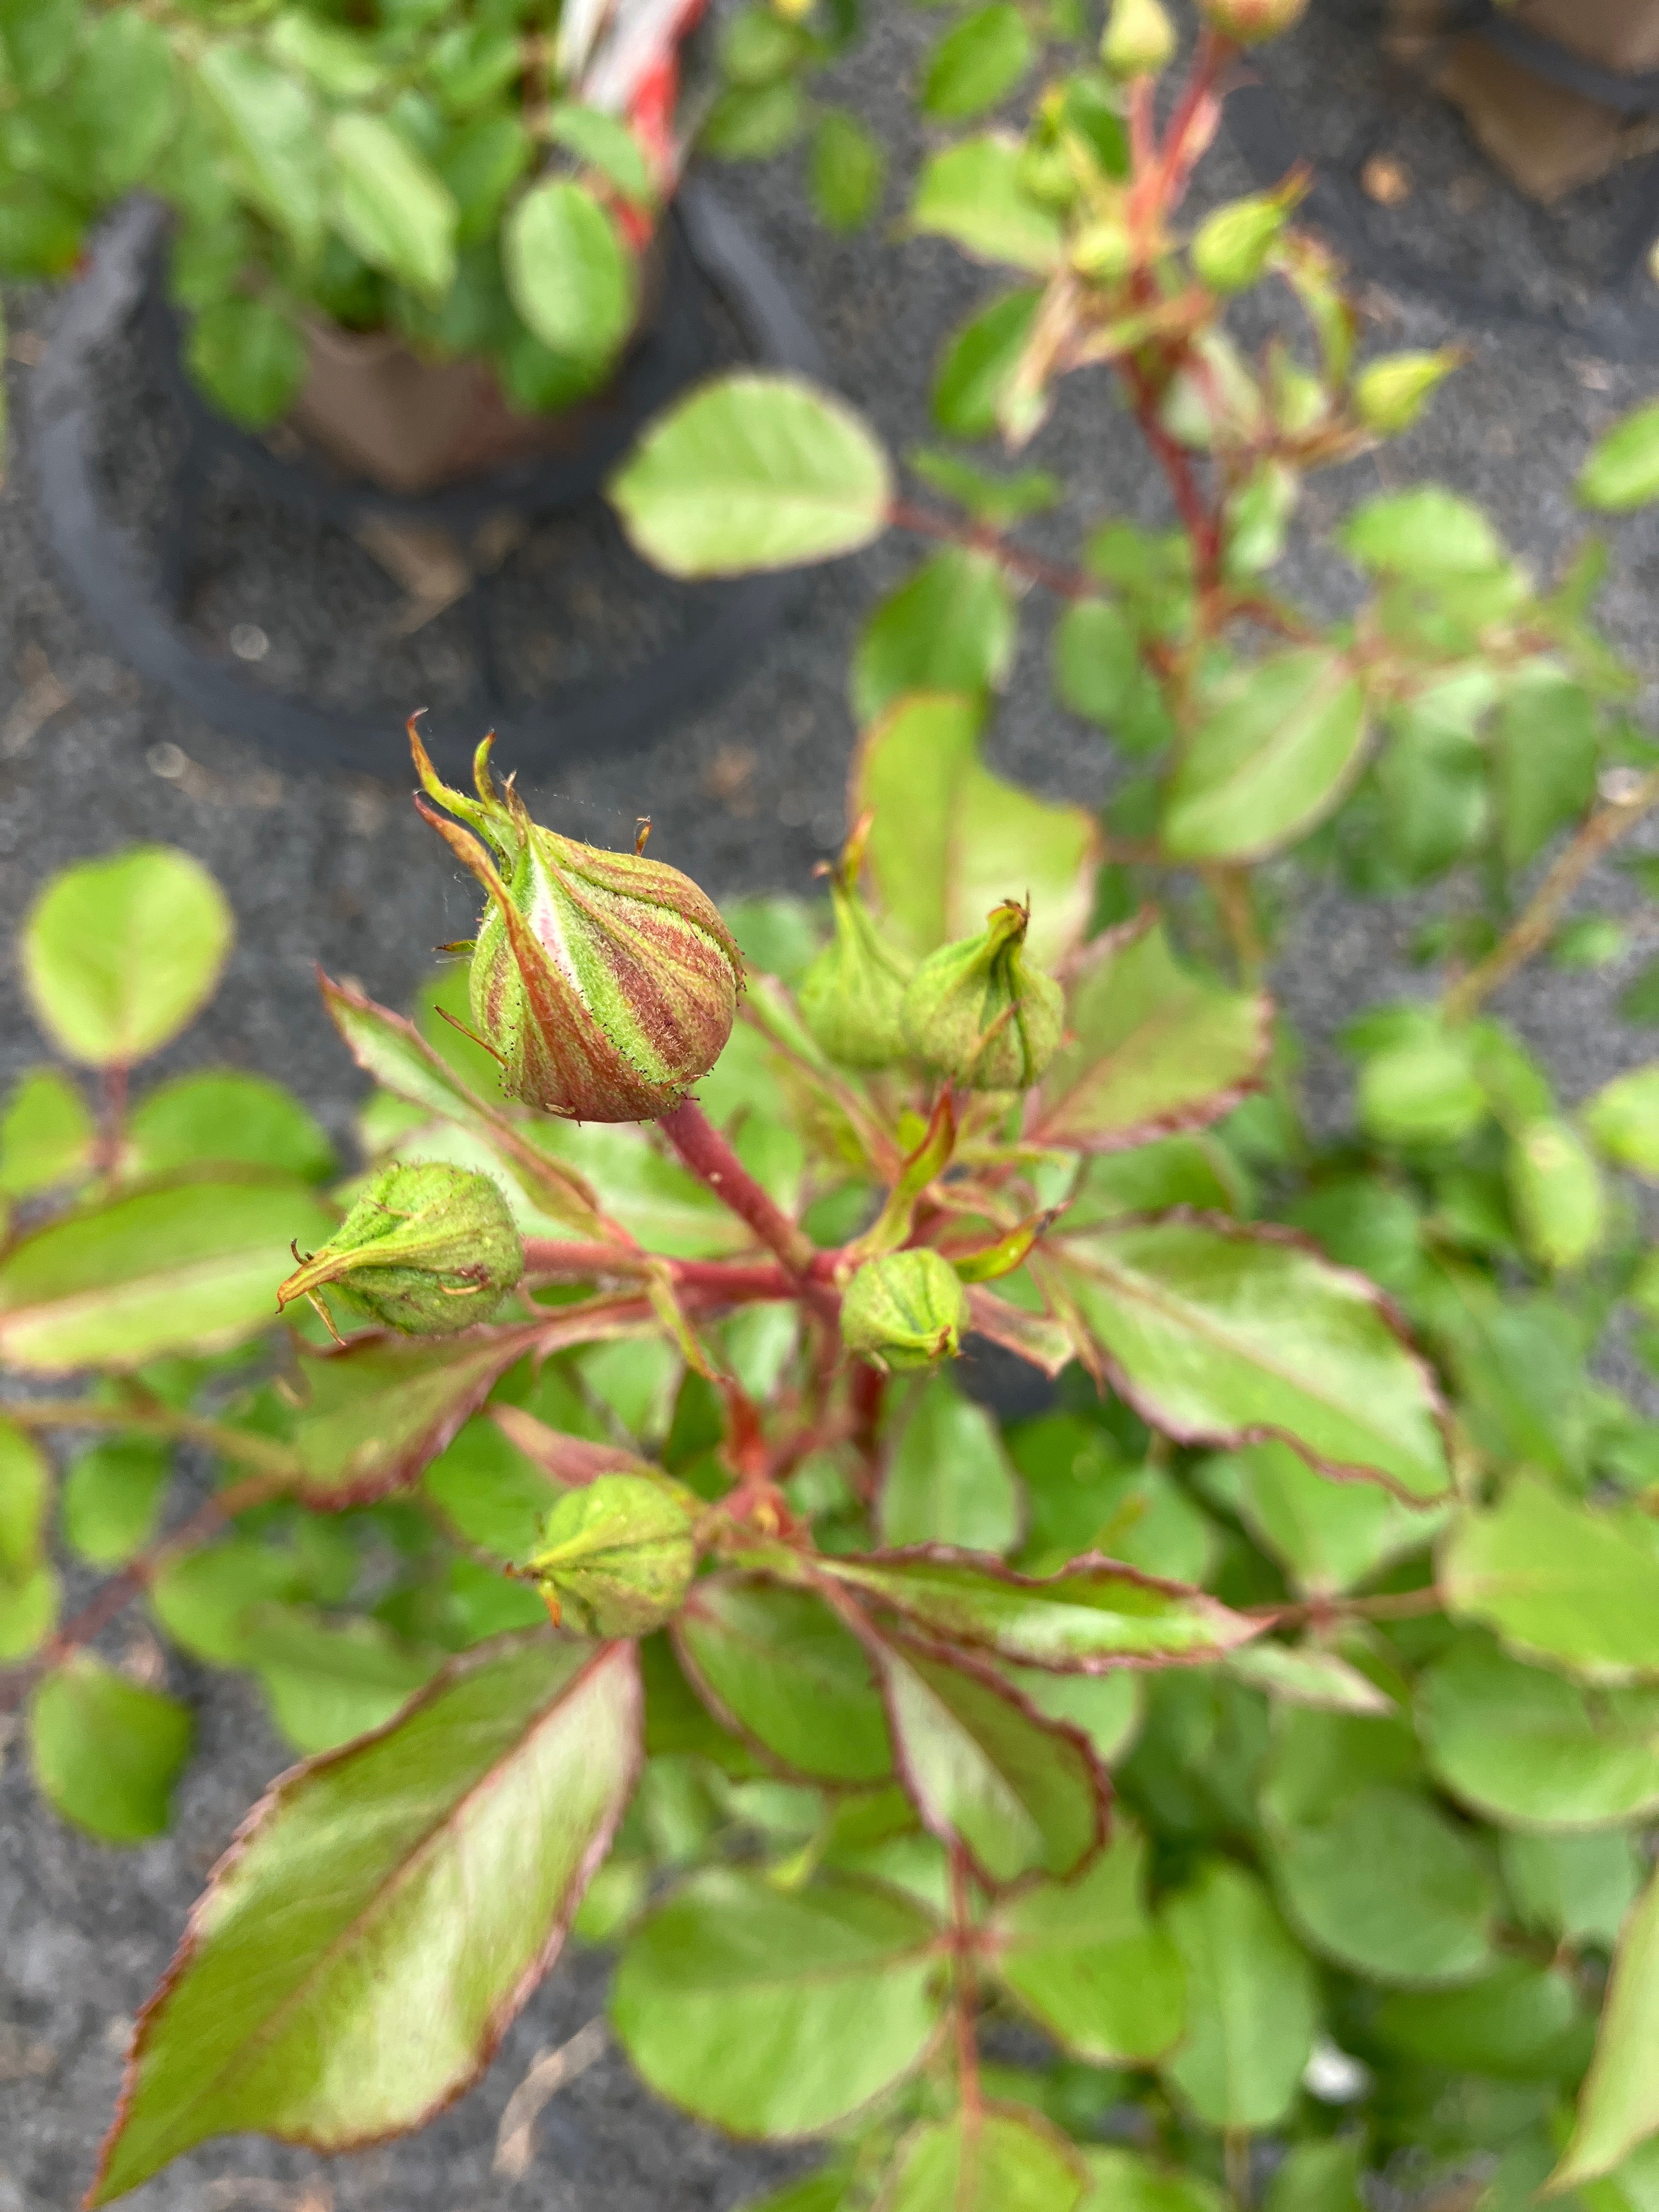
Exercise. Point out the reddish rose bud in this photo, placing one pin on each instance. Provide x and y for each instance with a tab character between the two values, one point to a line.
604	983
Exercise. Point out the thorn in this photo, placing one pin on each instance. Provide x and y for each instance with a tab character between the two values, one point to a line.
641	832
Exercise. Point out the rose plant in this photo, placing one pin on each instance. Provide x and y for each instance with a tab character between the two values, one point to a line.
1233	1779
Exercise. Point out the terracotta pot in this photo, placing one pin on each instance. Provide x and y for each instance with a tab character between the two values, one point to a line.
410	425
1546	137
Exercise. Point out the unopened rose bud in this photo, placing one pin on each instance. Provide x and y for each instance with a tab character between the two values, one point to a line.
1248	22
1233	246
425	1250
1104	251
906	1310
604	983
977	1013
1390	394
852	997
1139	40
616	1557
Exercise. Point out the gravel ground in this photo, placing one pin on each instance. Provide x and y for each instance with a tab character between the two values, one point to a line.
745	795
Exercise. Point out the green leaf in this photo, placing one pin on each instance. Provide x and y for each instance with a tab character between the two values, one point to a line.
1125	2181
394	1902
39	40
25	1495
106	1752
1556	1191
750	472
1302	1674
490	1492
1618	2104
951	626
46	1134
1085	1962
1084	1498
1012	2161
1426	533
1226	1335
391	208
1327	1536
751	123
972	194
985	1769
1544	757
1149	1046
1106	1709
1623	1120
1574	1584
730	1973
125	80
28	1613
845	171
1099	674
328	1681
1575	1888
120	955
1423	1089
1275	749
41	230
951	840
374	1413
272	133
400	1060
1374	1875
570	275
183	1265
977	63
225	1113
948	1479
1089	1618
1317	2177
778	1667
976	366
249	360
341	63
113	1497
1521	2022
1250	2001
606	144
1524	1746
205	1601
1622	469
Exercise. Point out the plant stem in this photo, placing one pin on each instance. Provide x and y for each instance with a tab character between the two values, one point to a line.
979	537
712	1161
237	1444
1535	927
112	1598
555	1260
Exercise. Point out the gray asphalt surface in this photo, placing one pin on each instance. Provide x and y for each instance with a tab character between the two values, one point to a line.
744	795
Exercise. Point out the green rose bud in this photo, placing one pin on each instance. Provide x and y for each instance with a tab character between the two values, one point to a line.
1248	22
425	1250
616	1557
1104	251
977	1013
1390	394
1232	246
904	1310
852	997
604	983
1139	40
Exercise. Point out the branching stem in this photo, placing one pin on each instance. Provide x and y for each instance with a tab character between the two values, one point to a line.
712	1161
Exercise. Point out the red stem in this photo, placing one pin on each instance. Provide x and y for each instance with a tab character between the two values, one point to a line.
712	1161
1065	583
561	1259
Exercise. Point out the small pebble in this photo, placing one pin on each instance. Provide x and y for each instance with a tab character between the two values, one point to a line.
249	643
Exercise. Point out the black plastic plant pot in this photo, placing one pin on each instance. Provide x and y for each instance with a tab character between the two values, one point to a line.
150	497
1460	238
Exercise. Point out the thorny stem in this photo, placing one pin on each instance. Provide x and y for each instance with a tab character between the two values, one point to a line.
1536	925
712	1161
112	1598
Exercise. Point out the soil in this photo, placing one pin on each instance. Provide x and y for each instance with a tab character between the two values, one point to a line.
746	795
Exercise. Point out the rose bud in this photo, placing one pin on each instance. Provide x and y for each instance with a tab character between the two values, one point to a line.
616	1555
1247	22
852	997
1139	40
604	983
425	1250
905	1310
977	1013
